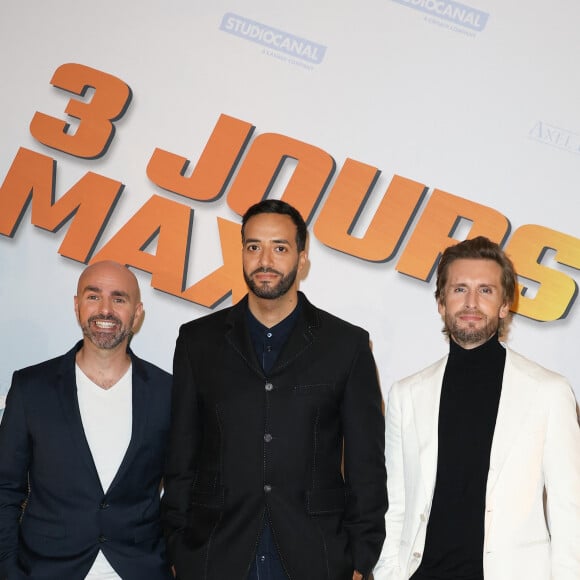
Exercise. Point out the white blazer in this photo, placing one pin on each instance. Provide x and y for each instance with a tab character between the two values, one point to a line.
532	515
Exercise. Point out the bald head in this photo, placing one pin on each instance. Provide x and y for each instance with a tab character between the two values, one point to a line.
108	304
110	271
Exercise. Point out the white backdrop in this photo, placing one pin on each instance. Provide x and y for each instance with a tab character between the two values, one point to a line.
479	100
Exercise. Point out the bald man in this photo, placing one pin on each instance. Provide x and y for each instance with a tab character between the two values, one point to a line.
82	446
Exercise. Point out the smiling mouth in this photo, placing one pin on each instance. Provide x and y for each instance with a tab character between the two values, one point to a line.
105	325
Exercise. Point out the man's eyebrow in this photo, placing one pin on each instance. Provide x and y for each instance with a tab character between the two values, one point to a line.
96	289
486	284
256	240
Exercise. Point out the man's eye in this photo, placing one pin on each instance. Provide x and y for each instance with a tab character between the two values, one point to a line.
486	290
281	249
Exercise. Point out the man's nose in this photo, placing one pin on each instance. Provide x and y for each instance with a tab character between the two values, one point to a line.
105	305
471	298
265	259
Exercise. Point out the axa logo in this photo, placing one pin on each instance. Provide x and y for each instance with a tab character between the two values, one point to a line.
555	136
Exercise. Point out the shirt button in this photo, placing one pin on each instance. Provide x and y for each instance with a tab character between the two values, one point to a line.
269	334
416	555
267	437
423	518
267	488
269	387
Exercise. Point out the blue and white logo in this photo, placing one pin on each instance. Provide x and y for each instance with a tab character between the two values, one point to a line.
275	39
458	14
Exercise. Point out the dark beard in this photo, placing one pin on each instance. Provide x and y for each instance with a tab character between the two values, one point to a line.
267	291
103	340
467	336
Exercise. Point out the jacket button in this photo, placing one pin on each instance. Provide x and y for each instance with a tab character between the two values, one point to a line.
103	505
267	488
102	539
267	437
269	387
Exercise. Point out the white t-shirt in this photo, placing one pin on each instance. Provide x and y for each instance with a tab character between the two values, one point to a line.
107	417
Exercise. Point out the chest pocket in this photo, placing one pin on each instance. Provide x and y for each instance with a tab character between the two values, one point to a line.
318	389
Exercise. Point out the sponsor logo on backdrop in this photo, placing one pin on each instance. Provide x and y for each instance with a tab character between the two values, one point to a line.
412	224
277	43
556	136
450	14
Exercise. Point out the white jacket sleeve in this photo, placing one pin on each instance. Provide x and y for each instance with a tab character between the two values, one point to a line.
387	567
562	482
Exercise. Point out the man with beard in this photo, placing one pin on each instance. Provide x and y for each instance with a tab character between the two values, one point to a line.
82	446
483	447
276	461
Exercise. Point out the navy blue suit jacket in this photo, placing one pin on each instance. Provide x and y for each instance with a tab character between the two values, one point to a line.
46	464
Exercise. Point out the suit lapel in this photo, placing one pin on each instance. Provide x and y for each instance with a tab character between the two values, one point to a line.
517	394
140	404
426	395
67	392
301	337
238	336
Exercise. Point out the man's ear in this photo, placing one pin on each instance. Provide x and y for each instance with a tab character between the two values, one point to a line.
139	315
76	306
504	310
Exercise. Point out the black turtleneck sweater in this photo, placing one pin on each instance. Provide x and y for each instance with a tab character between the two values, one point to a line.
468	410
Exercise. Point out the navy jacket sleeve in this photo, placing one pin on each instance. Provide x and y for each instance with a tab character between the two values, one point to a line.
14	460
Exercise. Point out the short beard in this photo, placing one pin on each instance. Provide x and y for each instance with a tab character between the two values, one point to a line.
103	340
468	336
267	291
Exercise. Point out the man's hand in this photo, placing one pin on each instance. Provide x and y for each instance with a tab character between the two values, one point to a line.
356	575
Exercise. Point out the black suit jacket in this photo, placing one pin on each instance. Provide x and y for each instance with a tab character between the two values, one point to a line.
68	517
245	446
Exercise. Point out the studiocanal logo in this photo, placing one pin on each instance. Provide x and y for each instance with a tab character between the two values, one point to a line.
292	48
454	13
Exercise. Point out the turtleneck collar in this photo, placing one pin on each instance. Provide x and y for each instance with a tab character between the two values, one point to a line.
483	354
